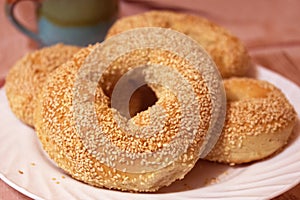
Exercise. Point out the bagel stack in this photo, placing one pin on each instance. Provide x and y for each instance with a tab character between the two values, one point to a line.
259	118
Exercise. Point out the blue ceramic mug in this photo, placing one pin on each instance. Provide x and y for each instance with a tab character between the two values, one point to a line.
77	22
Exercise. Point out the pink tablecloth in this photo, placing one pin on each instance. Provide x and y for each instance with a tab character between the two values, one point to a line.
270	29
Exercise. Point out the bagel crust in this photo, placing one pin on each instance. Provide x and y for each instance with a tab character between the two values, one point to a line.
25	79
55	125
227	51
259	122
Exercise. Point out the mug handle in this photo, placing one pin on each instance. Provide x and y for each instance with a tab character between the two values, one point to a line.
9	10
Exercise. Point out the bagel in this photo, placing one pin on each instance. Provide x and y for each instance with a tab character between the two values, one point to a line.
25	79
259	122
227	51
57	118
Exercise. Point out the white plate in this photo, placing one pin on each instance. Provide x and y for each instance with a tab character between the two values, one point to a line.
26	167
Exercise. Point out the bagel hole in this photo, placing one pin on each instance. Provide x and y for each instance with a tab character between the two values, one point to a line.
142	98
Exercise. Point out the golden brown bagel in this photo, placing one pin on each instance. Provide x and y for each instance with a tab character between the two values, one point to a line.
259	121
228	52
56	129
25	79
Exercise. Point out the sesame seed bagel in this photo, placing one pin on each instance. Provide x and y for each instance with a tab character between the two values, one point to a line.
56	125
259	122
25	79
227	51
